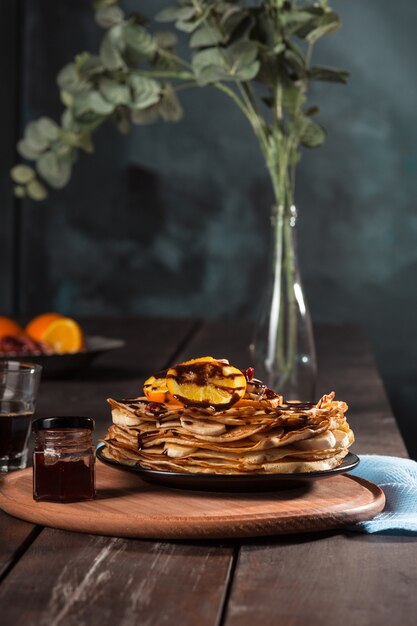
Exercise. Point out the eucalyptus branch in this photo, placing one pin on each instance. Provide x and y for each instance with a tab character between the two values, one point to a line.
231	94
256	121
232	44
174	75
174	58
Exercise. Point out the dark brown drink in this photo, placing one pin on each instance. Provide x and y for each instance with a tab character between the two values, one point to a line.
15	420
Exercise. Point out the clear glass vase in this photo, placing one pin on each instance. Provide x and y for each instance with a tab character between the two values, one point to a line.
283	350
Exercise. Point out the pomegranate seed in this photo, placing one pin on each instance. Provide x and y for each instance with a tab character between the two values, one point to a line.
249	373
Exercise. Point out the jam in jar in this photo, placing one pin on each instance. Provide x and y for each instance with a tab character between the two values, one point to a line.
63	459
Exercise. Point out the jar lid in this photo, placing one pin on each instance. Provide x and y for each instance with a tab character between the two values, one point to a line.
66	421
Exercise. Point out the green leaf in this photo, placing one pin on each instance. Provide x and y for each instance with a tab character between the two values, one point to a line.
165	39
62	149
67	120
172	14
190	26
279	48
111	49
56	171
234	19
139	42
328	74
77	140
236	62
122	119
19	191
22	174
241	54
108	16
98	4
91	102
85	143
68	79
186	18
145	116
67	98
170	108
311	134
296	62
36	191
27	151
329	23
114	92
294	20
91	66
35	138
205	36
146	91
48	128
80	126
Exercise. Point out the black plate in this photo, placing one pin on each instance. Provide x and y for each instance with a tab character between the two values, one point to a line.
60	365
232	482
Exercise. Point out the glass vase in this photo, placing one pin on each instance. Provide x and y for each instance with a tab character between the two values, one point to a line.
283	350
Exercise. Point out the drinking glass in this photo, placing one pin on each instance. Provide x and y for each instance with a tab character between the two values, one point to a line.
19	384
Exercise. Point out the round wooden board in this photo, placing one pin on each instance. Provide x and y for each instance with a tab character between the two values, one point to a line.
127	506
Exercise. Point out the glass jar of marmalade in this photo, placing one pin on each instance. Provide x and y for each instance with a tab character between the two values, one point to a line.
63	459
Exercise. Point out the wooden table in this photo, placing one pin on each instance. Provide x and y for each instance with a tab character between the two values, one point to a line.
51	577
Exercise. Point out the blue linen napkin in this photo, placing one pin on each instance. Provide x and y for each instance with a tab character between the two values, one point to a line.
398	480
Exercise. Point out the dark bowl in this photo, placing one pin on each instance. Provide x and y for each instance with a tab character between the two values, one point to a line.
61	365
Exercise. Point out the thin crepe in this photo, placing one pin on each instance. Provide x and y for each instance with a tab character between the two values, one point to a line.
260	437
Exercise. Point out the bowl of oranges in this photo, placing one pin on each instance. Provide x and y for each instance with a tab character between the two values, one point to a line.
53	340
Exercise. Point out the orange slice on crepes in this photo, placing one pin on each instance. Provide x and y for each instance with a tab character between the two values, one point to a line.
156	390
206	382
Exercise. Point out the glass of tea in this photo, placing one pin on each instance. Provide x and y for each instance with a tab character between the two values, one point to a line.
19	384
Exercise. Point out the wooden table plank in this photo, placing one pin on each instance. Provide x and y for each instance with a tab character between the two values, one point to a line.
70	578
354	580
15	537
336	578
75	579
150	345
348	579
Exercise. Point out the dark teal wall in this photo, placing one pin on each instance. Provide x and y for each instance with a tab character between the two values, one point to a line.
174	219
359	230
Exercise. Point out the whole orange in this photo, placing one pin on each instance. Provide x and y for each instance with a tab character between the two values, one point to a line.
9	327
39	324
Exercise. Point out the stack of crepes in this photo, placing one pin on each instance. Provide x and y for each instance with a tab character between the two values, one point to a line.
206	416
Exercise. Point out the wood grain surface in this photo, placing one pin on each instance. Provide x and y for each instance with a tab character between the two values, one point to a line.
73	579
66	579
127	506
150	344
325	580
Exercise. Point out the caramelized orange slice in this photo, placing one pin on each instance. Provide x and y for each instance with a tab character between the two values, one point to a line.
206	382
156	390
